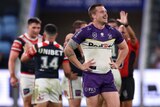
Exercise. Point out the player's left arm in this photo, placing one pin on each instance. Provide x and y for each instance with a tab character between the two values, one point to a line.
123	51
28	54
132	35
67	71
124	21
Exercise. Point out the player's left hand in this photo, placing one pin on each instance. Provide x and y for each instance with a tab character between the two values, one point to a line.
123	18
113	65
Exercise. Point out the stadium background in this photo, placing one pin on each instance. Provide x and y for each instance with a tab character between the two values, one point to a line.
144	17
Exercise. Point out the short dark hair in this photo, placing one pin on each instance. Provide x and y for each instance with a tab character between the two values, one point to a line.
34	20
50	29
91	9
77	24
112	20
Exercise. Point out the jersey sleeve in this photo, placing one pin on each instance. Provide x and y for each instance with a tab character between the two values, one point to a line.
17	45
79	37
65	59
119	37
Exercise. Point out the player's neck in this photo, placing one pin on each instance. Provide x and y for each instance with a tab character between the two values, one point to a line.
32	36
98	25
50	39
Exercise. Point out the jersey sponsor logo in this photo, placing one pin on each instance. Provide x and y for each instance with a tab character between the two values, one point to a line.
102	34
90	89
50	52
110	36
105	45
94	34
88	28
125	94
26	91
78	92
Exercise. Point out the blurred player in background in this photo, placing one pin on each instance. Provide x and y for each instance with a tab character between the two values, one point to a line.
73	88
49	56
96	41
27	76
127	68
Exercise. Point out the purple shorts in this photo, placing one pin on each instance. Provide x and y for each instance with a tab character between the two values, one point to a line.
94	84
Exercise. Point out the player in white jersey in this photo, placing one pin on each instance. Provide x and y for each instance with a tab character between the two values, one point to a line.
73	88
27	76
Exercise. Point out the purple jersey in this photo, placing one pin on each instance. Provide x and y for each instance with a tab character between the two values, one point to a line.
97	44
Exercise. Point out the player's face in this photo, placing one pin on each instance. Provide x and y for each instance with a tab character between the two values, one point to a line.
68	37
82	26
101	15
34	29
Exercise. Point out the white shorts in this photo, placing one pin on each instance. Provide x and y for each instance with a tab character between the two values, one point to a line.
72	88
47	89
26	84
117	78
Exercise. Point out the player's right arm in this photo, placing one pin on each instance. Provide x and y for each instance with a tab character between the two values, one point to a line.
124	20
11	65
67	71
69	52
28	53
14	53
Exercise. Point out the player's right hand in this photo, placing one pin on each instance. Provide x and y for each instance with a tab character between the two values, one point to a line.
14	82
86	65
27	46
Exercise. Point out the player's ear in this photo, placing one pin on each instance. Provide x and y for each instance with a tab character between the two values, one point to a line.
56	35
93	16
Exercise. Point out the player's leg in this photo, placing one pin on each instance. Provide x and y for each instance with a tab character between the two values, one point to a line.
91	88
112	99
74	102
127	91
51	104
92	101
101	101
117	81
73	91
44	104
126	103
26	88
109	91
55	93
41	93
27	101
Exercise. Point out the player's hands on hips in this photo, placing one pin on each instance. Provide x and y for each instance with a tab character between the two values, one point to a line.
14	81
86	65
113	65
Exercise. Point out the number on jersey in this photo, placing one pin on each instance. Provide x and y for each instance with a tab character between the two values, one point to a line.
52	64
